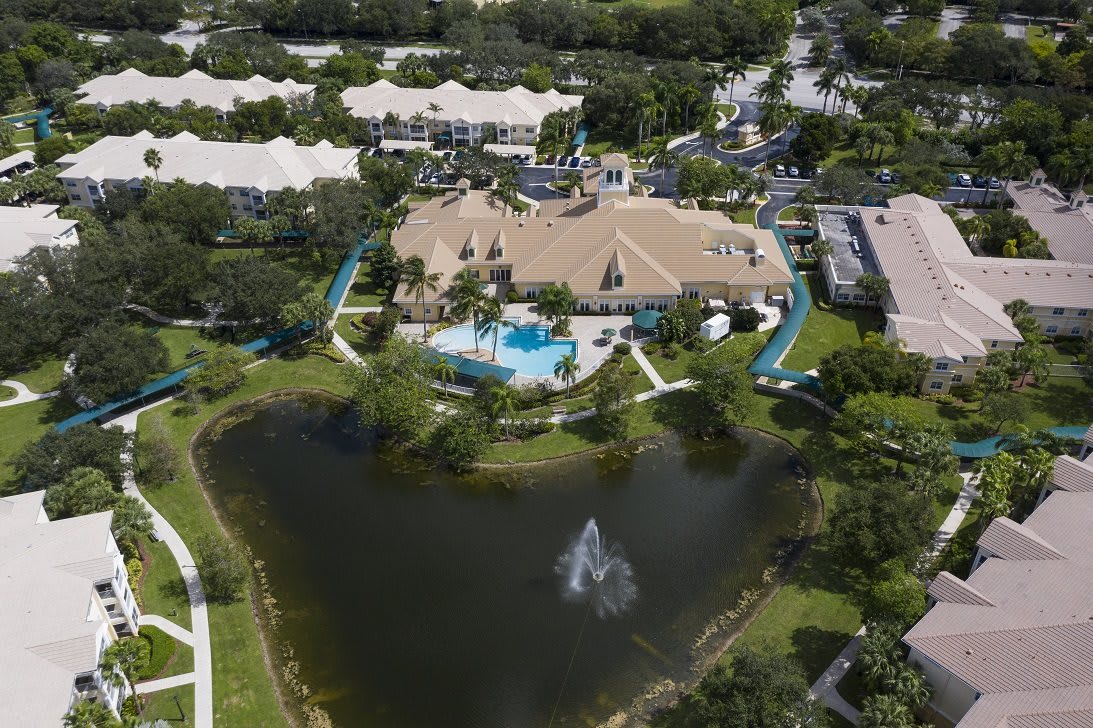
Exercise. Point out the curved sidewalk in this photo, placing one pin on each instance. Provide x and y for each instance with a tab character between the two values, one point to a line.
203	664
23	394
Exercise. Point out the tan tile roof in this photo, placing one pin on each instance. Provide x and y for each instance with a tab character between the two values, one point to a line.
1069	231
661	247
439	258
948	588
1028	654
1040	282
1073	475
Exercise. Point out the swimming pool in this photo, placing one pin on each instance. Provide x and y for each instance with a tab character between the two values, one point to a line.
527	349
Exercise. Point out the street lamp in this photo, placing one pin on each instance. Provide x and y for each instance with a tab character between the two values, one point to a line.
179	705
899	73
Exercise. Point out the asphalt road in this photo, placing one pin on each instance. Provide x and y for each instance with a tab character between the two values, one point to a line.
951	19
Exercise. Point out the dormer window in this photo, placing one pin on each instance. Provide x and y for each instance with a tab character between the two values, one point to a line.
470	251
499	251
618	280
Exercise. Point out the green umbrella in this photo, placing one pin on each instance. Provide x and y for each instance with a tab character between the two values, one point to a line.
646	319
608	333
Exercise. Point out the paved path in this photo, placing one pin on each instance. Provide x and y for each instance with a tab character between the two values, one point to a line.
644	396
166	683
191	323
359	309
951	19
825	687
344	347
639	357
180	634
202	676
23	394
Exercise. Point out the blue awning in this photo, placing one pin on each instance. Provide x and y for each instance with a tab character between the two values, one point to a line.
473	368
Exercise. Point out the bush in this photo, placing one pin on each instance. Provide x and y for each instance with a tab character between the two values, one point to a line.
561	329
525	429
745	319
316	347
161	647
940	398
967	393
670	351
136	570
512	296
437	328
623	347
1072	345
702	346
807	264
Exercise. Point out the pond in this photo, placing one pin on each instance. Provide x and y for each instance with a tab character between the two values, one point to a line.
415	597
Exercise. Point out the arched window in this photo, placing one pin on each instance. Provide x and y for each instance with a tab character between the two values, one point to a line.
618	280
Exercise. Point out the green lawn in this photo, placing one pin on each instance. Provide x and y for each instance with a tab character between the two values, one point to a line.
178	340
163	590
356	340
1035	36
42	377
824	331
671	370
181	662
363	292
6	393
242	691
23	423
22	136
161	706
1060	401
727	109
787	214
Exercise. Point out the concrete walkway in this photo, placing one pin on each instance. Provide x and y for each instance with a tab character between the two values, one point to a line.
643	397
343	346
825	687
180	634
23	394
202	676
359	309
166	683
639	357
189	323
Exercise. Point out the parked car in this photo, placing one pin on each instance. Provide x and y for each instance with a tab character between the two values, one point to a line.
995	184
563	160
953	179
377	152
458	156
794	172
779	171
586	162
979	181
550	158
574	162
447	156
435	179
964	180
596	162
896	178
885	177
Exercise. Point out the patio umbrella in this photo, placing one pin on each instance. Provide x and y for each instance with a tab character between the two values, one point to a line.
646	319
608	333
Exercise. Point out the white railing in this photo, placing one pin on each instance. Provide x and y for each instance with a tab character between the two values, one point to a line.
1065	370
643	341
468	391
586	371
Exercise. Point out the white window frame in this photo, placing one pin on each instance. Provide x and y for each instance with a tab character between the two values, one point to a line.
994	344
1053	329
936	386
1075	330
1058	311
941	366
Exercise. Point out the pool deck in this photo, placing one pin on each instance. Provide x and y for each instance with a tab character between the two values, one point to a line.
591	347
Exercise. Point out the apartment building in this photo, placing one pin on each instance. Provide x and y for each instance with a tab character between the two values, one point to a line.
462	116
249	174
943	301
1065	220
64	598
26	229
1009	645
110	90
619	252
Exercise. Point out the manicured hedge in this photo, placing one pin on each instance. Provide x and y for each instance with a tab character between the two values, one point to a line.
161	646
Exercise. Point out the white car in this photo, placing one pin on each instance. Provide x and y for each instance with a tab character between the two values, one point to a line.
964	180
779	171
794	172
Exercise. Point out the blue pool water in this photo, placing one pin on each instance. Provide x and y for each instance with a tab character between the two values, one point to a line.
527	349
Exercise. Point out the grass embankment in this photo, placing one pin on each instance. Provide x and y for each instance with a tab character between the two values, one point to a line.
825	331
363	292
1040	41
727	109
161	706
242	691
162	588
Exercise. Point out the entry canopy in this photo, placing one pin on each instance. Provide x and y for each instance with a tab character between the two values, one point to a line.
393	145
646	319
507	150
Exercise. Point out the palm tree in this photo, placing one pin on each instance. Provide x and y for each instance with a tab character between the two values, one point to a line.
910	686
566	369
975	227
492	317
418	119
645	102
153	159
552	136
709	131
444	372
85	714
687	95
1037	467
827	82
791	115
716	78
820	248
434	108
419	280
662	157
504	404
820	49
930	189
468	299
391	119
734	70
885	711
1011	159
770	123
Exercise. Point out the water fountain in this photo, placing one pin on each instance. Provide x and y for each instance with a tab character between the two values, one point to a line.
591	569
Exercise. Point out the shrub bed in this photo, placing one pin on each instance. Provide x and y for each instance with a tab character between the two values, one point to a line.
161	648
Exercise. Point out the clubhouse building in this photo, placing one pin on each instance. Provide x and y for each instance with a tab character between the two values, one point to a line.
619	252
